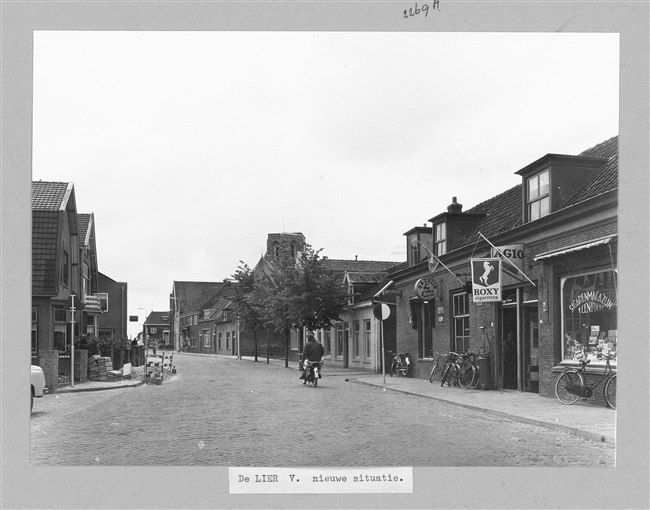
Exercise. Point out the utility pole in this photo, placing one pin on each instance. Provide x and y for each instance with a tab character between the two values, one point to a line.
72	310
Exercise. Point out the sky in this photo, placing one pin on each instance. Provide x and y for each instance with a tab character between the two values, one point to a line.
191	147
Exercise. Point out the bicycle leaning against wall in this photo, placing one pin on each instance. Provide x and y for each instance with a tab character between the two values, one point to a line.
571	384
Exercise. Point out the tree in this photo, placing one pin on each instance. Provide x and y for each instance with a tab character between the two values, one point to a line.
301	292
248	303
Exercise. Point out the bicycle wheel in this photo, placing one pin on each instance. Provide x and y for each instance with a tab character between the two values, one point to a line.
404	369
610	392
445	375
465	375
477	378
452	378
566	380
393	368
435	373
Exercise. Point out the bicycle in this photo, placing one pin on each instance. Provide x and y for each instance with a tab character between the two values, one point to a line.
471	359
451	371
438	366
401	363
570	385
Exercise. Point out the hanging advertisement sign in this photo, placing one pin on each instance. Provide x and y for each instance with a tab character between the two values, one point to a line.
426	288
514	253
486	280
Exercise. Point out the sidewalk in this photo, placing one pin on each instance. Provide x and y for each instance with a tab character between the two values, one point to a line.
593	422
584	420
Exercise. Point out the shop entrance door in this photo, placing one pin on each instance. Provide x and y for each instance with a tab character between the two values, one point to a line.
531	349
509	347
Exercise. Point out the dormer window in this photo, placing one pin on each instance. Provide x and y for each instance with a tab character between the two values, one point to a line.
440	239
414	250
538	196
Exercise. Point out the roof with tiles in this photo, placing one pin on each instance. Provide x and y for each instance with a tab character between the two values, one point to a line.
83	220
50	196
157	319
207	299
45	235
504	212
188	292
607	179
48	199
357	266
362	277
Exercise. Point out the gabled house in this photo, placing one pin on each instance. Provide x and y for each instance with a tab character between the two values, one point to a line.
156	329
355	341
66	301
556	233
183	295
56	273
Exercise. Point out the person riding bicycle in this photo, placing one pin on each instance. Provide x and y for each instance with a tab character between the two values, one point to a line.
313	351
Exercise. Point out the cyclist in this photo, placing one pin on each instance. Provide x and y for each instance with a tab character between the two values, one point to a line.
313	351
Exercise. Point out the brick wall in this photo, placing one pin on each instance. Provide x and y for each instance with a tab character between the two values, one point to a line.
50	364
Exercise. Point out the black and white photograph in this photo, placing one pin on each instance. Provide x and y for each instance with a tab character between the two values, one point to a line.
270	255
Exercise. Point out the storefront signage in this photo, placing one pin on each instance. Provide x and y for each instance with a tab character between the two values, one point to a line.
486	280
591	301
513	252
426	288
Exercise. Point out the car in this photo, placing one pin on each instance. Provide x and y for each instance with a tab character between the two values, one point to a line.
38	384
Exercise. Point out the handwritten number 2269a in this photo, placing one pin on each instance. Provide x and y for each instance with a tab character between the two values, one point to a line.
435	5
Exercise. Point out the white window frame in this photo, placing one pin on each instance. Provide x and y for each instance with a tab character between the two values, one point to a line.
440	238
538	197
367	336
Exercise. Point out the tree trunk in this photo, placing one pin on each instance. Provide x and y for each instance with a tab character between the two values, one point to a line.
286	351
255	344
268	346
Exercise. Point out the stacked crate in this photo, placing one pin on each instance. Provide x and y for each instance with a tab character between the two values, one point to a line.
93	367
105	365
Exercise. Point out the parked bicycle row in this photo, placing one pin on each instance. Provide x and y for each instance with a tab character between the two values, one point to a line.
463	370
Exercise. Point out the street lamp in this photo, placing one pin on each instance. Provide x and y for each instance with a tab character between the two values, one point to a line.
175	322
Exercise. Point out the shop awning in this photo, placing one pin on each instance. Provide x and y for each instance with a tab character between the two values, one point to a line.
572	248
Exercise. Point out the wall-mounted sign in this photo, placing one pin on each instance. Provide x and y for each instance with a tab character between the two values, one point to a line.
486	280
426	288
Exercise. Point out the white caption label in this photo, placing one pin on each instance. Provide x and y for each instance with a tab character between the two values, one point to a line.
392	480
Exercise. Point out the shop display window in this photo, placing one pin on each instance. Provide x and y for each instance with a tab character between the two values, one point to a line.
589	316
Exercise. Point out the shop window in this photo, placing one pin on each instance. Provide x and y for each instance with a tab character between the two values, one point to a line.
227	340
589	315
538	196
460	340
220	340
440	238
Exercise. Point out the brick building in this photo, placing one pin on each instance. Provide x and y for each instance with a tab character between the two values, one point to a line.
559	228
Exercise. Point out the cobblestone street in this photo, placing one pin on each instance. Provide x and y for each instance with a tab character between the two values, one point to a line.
224	412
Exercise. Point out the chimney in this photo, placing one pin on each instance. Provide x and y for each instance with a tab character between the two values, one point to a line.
455	207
